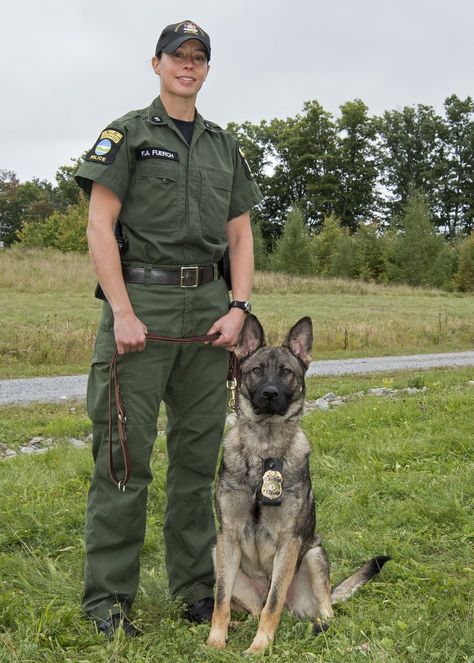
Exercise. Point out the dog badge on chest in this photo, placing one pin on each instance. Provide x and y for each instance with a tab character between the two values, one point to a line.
272	482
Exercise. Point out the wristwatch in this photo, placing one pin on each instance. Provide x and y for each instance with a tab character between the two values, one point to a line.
245	306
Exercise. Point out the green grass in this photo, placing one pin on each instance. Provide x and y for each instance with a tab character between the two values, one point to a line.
49	314
391	476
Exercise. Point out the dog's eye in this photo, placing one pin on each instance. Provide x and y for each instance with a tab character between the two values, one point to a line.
285	371
257	370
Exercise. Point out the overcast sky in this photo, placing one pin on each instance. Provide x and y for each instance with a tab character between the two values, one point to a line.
68	68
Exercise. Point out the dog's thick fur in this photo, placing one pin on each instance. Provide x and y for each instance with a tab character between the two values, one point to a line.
268	556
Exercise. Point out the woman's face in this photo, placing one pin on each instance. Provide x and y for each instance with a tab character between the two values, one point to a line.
183	72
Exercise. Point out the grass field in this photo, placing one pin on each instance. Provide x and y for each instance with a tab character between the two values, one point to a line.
49	314
391	476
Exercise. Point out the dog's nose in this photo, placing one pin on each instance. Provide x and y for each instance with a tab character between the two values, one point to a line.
270	393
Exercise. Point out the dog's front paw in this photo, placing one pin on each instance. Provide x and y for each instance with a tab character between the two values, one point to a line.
259	644
216	639
320	626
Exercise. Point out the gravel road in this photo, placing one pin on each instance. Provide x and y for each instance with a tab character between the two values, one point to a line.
59	389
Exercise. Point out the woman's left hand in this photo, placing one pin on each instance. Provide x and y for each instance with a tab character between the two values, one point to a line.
229	327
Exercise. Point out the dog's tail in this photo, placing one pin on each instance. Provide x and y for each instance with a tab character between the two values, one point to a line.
347	588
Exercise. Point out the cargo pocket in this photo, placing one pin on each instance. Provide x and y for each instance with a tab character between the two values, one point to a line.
98	381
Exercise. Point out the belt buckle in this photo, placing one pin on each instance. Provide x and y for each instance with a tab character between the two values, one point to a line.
183	276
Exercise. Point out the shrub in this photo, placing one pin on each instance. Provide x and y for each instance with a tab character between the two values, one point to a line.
65	231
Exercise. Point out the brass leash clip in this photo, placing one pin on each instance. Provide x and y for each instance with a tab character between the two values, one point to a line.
232	386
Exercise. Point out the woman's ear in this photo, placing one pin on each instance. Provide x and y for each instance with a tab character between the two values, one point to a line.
155	63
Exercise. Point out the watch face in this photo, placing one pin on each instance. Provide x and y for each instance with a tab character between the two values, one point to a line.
247	307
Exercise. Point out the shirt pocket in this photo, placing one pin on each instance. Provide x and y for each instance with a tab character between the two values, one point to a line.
215	202
155	197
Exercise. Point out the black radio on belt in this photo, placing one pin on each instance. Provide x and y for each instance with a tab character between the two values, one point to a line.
224	269
122	243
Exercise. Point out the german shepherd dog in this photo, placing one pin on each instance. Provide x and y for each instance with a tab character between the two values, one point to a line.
268	555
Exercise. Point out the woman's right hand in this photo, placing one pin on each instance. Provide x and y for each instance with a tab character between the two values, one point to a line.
129	333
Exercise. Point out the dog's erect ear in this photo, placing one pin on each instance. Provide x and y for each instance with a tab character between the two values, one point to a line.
300	340
251	337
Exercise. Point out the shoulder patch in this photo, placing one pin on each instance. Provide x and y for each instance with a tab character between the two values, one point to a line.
106	147
245	165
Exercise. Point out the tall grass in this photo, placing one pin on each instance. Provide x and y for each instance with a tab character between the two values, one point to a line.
44	271
266	283
49	314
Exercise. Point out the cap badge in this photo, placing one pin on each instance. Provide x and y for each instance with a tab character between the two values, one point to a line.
188	28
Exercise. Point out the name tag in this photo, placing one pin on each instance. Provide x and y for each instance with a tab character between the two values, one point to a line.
155	153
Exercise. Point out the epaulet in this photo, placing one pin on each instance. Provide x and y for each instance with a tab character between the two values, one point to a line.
212	126
129	117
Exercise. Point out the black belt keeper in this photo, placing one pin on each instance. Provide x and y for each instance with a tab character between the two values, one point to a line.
271	489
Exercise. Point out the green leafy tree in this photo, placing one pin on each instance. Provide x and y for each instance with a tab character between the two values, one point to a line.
410	149
21	201
67	192
356	165
9	214
65	231
294	163
454	201
292	252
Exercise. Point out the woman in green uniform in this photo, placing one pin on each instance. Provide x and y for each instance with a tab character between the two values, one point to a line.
182	192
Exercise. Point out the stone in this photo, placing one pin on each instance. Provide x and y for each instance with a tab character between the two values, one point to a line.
5	452
381	391
336	402
322	404
33	450
77	444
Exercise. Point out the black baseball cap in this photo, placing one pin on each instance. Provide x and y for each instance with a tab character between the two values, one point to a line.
177	33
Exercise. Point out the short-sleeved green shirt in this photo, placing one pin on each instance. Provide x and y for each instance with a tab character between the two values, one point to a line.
176	198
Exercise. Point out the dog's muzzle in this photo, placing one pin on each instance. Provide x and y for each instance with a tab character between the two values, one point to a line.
270	398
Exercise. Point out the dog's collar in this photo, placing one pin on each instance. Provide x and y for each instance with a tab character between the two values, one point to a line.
271	488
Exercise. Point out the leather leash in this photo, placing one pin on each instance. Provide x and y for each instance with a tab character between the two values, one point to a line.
232	382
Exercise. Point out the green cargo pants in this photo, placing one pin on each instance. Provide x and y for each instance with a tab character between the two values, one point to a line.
190	379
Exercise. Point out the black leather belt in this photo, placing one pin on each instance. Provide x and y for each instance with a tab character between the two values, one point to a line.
186	277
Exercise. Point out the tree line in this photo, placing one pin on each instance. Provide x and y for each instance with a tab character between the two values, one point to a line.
356	184
362	168
412	253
